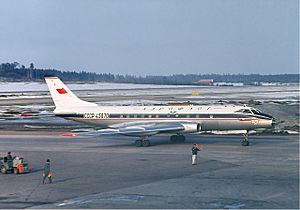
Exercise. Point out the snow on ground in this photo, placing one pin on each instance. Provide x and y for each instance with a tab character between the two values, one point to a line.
22	90
41	86
279	101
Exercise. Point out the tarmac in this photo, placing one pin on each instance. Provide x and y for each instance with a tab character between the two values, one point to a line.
110	172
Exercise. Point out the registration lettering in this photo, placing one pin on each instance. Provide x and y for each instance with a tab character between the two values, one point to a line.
96	115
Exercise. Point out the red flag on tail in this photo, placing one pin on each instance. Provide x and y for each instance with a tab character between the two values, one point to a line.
61	91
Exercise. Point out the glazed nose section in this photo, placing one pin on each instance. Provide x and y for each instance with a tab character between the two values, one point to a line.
269	122
274	122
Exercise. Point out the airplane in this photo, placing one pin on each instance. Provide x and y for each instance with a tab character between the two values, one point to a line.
146	121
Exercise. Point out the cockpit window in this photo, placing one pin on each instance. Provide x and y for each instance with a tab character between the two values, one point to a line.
246	111
256	111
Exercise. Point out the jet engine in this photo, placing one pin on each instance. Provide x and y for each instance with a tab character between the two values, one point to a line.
191	127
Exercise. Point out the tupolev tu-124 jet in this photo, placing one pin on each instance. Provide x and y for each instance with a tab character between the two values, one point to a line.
146	121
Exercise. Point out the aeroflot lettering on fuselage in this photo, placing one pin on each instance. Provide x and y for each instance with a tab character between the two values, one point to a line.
96	115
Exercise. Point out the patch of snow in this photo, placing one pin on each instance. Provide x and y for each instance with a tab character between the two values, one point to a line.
234	206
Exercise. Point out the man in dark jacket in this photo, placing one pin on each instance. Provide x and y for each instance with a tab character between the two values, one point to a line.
9	160
195	151
47	172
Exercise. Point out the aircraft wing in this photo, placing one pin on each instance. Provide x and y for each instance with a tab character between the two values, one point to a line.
137	129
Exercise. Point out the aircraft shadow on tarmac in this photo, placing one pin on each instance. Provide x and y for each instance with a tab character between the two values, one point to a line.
64	180
35	170
131	144
164	140
32	203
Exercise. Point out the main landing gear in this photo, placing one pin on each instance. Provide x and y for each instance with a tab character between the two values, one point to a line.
177	138
146	143
245	142
142	143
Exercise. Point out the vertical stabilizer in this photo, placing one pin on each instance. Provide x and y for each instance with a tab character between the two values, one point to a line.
62	96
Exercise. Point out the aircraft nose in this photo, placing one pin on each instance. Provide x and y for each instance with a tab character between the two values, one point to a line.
274	121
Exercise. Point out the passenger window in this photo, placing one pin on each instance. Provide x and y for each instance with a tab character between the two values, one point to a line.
150	116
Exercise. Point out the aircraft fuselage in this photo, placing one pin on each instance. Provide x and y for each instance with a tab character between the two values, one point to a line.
208	117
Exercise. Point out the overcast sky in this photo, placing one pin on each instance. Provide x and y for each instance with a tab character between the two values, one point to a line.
152	36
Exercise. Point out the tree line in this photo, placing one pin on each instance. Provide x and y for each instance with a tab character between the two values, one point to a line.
17	72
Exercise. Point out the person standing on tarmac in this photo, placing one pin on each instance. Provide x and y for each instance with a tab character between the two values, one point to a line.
9	160
47	172
195	151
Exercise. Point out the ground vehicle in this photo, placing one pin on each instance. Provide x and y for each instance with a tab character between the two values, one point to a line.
17	166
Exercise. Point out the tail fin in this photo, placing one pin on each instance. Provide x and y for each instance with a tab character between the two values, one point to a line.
62	96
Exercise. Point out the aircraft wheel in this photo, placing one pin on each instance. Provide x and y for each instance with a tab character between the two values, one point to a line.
177	138
181	138
245	143
173	138
138	143
3	170
146	143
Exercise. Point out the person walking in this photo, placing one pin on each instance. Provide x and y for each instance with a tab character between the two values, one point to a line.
47	172
195	150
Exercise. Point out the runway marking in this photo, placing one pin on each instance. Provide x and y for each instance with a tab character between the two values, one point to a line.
274	196
101	197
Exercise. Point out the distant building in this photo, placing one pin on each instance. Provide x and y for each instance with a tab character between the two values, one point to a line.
206	82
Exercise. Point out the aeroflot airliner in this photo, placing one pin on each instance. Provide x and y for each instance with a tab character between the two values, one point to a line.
146	121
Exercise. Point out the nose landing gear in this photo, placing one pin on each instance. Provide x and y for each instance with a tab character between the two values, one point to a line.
245	142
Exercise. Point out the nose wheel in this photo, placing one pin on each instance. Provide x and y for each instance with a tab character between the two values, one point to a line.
245	142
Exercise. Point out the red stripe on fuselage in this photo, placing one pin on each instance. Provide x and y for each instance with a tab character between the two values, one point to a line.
139	119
